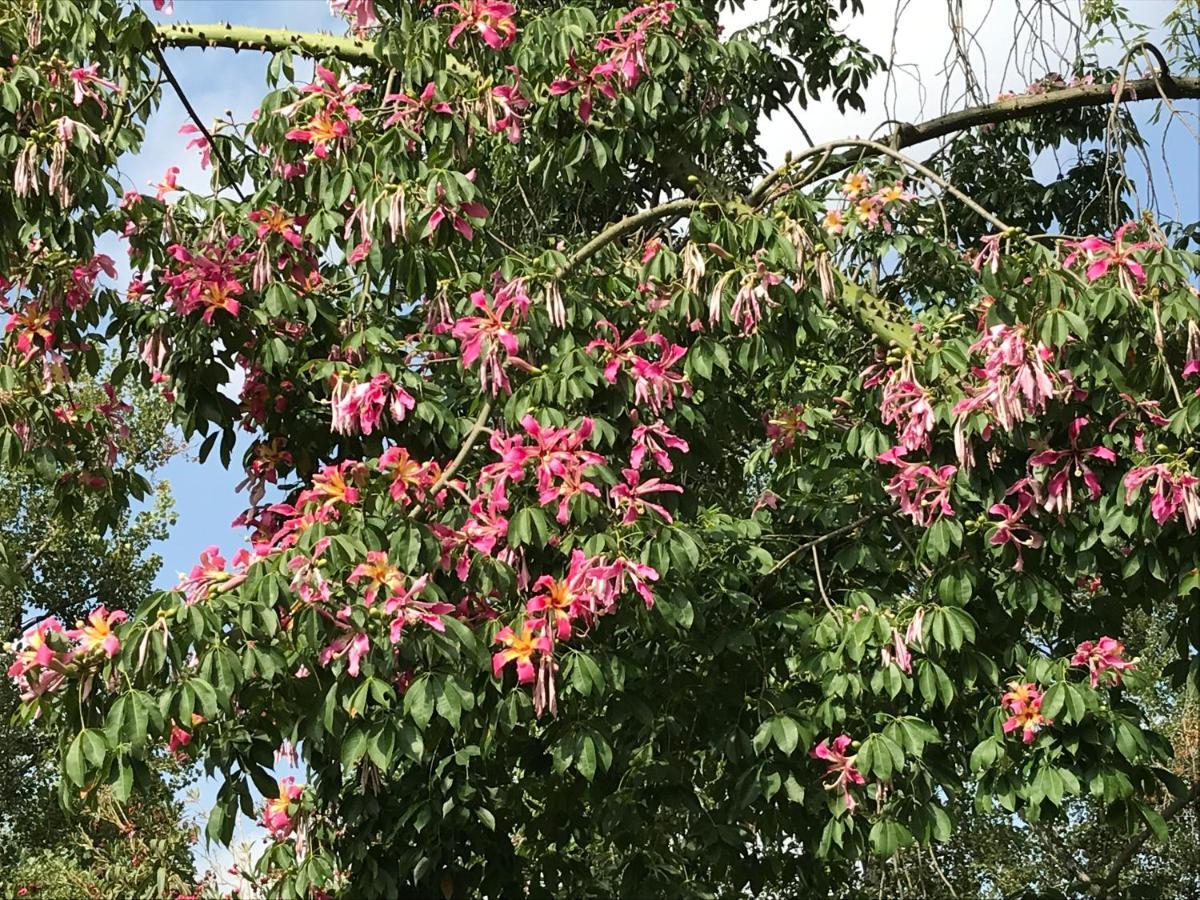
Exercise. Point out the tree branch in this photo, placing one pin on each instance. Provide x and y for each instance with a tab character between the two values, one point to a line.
468	442
1021	107
1105	885
268	40
624	227
222	162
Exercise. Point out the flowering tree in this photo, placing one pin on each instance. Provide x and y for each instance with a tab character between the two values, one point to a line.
622	519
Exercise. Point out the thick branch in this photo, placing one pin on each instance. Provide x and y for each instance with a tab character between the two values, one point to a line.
625	226
1021	107
269	40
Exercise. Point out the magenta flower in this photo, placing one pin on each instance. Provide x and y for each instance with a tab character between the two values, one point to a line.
209	573
406	610
1059	498
1173	492
841	765
1105	655
922	491
1102	255
655	440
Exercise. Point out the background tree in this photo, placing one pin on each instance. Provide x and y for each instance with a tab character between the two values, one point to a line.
65	566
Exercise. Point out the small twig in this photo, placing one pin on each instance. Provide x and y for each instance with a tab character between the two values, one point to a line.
195	117
821	582
815	542
1105	885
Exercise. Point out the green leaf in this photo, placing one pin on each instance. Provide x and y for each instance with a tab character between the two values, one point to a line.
354	745
786	733
419	702
75	768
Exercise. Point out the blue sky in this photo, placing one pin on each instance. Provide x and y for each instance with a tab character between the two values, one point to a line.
220	80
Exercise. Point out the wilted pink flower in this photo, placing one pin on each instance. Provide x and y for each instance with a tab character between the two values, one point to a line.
655	384
1011	529
1173	492
906	405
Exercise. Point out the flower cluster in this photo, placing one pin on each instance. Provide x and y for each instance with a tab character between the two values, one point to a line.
868	209
207	278
47	652
624	60
589	589
330	116
1023	702
655	381
1103	256
1104	655
492	20
277	815
906	405
358	406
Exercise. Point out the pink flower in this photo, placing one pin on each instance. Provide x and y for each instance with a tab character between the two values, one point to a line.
1059	498
34	651
751	299
178	739
97	633
505	108
783	427
407	610
841	765
586	83
1191	365
410	112
1102	255
922	491
209	572
655	440
1105	655
616	353
410	479
655	384
166	7
276	816
898	652
492	20
361	11
378	573
359	253
519	647
358	407
352	644
632	496
168	184
85	81
200	142
990	254
491	338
